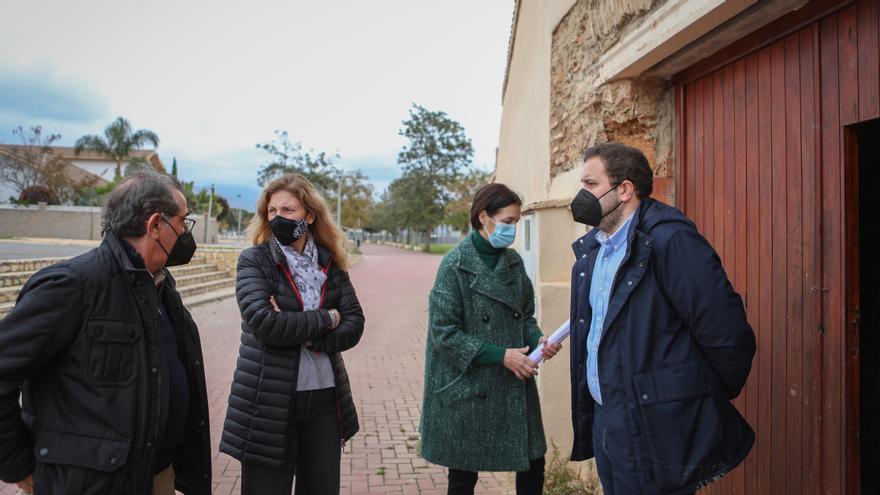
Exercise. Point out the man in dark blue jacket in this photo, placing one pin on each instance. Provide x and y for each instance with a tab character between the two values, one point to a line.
660	341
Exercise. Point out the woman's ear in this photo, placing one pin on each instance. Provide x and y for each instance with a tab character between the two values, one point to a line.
484	217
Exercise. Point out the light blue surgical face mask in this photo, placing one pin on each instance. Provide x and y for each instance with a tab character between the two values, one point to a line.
503	235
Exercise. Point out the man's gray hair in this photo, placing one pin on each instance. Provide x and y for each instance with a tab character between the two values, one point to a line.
141	194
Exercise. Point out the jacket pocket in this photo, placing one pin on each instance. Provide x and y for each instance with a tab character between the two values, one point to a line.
71	463
111	352
681	421
457	390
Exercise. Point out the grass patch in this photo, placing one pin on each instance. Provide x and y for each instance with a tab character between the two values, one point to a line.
381	471
559	480
441	248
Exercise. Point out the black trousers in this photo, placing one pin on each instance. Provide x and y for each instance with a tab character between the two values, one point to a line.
529	482
313	455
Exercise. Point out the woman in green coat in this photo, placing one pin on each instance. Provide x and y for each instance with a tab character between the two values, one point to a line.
481	409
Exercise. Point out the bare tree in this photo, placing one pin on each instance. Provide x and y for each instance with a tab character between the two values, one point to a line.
35	163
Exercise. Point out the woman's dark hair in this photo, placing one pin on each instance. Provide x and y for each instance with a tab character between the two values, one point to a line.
622	163
491	197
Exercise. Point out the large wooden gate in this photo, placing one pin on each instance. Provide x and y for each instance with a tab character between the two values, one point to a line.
761	154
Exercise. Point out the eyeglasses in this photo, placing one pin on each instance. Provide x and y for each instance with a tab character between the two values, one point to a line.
188	223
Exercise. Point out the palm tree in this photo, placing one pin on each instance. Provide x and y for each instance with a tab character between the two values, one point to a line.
118	142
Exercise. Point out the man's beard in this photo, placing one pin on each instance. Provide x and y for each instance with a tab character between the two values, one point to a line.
612	220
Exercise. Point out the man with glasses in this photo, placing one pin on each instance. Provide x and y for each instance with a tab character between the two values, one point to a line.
107	361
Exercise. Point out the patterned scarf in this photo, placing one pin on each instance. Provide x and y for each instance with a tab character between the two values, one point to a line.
306	273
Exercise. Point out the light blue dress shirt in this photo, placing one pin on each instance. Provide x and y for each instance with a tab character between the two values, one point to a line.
611	252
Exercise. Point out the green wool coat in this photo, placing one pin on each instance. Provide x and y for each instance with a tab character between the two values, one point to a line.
479	418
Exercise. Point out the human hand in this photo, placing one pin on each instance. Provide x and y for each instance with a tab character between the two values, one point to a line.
548	350
274	304
518	362
27	485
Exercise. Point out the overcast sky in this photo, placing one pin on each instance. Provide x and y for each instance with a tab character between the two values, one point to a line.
213	78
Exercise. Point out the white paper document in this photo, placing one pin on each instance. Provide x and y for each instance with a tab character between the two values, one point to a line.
555	338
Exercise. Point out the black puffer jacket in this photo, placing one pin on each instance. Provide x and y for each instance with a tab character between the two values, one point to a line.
264	385
82	345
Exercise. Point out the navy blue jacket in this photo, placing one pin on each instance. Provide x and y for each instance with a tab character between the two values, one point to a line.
675	350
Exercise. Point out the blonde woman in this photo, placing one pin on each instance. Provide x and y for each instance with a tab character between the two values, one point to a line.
290	408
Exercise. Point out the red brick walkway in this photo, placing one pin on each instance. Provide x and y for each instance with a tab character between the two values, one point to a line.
386	371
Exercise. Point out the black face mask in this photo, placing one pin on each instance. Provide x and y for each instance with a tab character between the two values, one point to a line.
288	231
183	249
586	208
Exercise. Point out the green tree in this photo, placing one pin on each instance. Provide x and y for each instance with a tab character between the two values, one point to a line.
402	207
437	154
174	167
288	157
198	201
96	195
118	142
229	222
135	164
357	200
382	218
458	210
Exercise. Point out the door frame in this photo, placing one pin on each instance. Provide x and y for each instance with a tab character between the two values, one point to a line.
852	305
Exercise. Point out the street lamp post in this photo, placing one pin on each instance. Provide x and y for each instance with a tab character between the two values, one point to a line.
239	215
339	200
210	211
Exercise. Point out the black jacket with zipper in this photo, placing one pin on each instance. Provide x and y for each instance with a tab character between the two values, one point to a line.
264	384
82	347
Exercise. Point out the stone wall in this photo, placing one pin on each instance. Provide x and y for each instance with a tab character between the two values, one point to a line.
585	111
225	258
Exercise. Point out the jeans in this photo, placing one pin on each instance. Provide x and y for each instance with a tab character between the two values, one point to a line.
313	454
529	482
616	478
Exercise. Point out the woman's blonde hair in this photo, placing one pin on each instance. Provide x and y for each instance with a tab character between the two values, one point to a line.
323	229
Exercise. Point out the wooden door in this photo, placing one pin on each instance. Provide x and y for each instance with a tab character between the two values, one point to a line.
761	169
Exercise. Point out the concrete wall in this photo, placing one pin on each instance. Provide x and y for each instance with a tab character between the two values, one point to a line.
73	222
524	147
58	222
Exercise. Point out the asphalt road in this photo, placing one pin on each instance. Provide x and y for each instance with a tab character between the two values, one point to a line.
22	250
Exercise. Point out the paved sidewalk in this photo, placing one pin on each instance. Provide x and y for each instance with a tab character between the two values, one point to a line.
386	371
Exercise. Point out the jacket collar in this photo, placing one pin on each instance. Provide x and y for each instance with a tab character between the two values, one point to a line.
470	260
495	284
325	256
114	245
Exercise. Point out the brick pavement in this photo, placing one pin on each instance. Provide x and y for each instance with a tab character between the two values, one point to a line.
386	371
